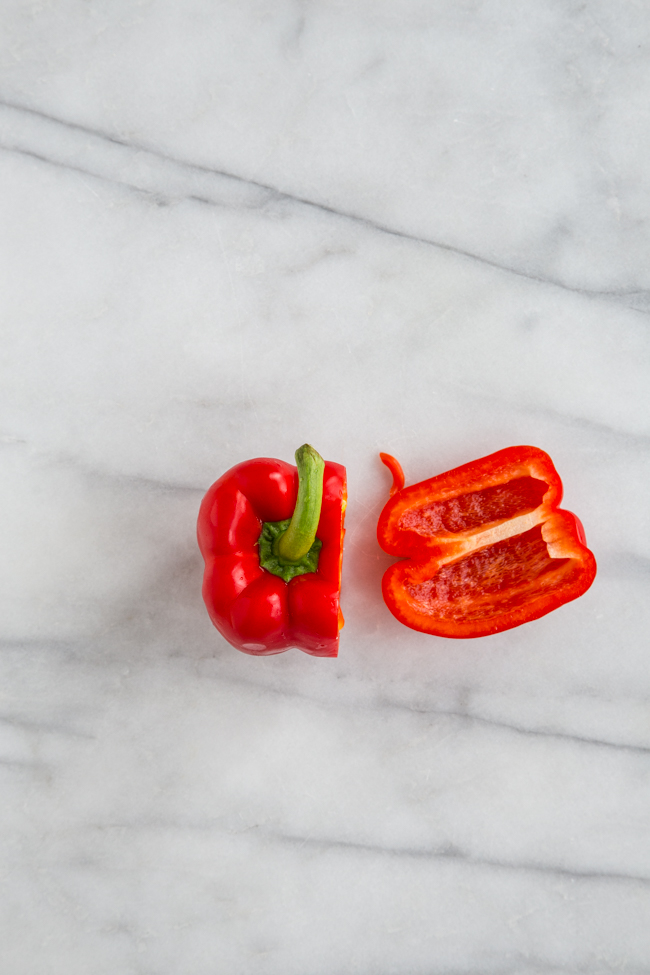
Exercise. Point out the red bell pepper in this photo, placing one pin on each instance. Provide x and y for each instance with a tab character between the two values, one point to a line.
271	536
485	546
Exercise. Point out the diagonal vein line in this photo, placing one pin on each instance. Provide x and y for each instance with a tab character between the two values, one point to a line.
392	705
280	194
543	732
69	166
458	856
448	853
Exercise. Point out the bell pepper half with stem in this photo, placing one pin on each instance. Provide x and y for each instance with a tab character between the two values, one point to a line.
485	547
271	535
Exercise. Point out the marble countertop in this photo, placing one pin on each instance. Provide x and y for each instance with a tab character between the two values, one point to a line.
229	228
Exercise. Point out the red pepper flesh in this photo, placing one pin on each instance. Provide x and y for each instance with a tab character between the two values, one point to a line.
485	546
255	610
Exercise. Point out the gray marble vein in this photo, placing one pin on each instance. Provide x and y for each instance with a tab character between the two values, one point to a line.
634	298
453	854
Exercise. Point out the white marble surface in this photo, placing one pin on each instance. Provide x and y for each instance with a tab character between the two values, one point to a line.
230	227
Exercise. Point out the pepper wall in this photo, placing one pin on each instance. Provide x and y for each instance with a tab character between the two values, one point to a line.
230	228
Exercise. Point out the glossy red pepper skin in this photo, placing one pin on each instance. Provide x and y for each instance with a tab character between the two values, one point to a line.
485	547
256	611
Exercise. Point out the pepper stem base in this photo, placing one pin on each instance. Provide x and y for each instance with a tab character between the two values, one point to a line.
274	563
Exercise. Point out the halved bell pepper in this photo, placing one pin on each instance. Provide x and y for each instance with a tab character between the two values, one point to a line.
485	546
271	536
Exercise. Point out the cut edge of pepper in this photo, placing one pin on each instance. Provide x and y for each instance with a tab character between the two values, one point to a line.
561	532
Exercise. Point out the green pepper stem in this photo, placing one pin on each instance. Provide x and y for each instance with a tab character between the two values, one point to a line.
299	537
